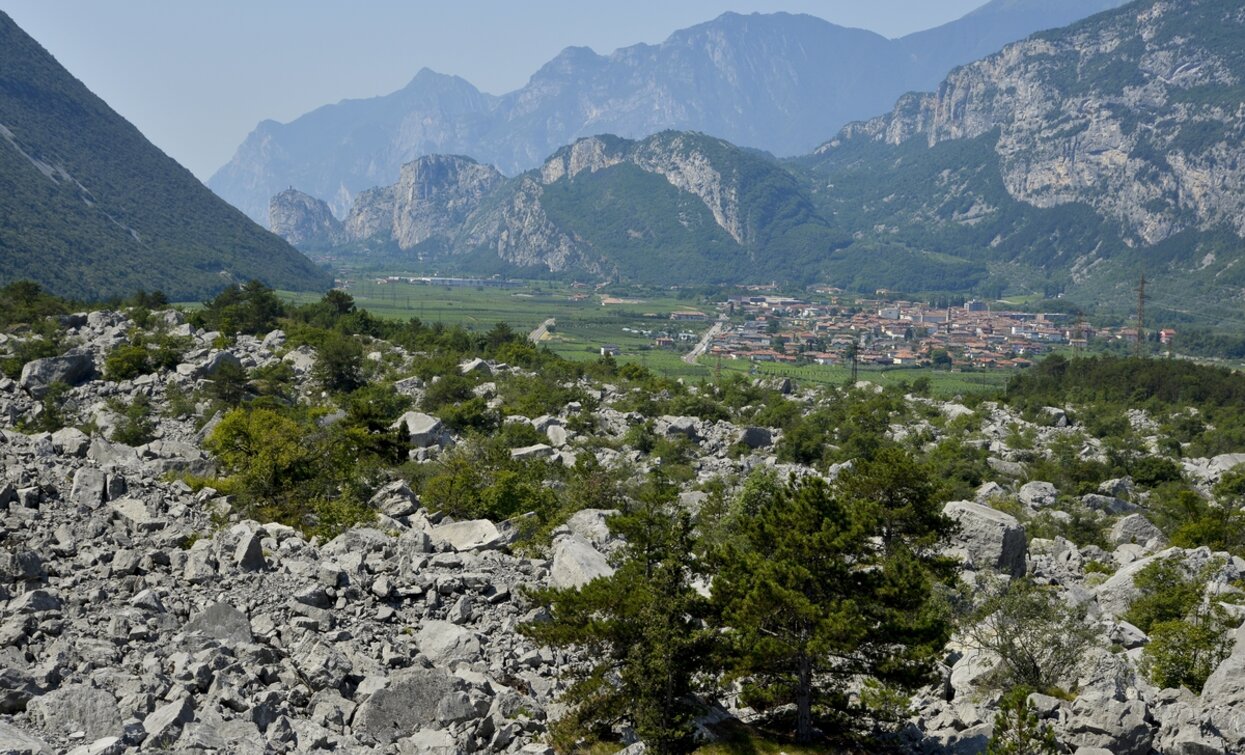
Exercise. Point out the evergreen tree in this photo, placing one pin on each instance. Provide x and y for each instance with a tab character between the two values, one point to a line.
824	586
643	627
1018	730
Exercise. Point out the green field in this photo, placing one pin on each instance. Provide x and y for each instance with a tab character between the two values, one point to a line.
584	325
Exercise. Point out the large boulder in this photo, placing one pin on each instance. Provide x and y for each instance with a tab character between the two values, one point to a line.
443	642
408	703
223	622
576	563
76	708
756	437
74	368
217	361
321	665
17	686
422	430
14	741
164	724
988	538
474	534
1121	727
1036	495
1134	528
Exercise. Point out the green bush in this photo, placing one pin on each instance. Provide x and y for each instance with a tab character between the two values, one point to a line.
1037	637
136	426
1184	652
127	362
1167	593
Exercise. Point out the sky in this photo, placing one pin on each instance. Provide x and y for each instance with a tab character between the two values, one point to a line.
196	77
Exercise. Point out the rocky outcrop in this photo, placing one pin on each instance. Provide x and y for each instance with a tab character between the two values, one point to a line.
467	208
1135	113
304	221
432	198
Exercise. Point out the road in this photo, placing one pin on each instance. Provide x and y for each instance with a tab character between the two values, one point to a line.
538	335
701	347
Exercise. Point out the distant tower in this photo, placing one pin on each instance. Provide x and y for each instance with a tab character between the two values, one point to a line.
1141	316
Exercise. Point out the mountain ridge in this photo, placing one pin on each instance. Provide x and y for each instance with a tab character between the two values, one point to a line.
777	82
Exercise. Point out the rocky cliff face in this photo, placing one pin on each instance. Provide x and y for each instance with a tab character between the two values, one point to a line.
433	196
1136	113
674	190
304	221
777	82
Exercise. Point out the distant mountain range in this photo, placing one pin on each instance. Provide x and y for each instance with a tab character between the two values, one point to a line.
90	209
1070	162
781	83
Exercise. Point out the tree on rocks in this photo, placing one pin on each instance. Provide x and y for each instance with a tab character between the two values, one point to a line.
641	628
825	586
1037	637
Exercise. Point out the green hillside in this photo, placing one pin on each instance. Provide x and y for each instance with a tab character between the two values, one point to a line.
90	209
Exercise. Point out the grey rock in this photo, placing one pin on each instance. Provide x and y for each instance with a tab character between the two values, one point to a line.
14	741
215	362
89	488
1135	528
101	746
538	451
72	369
443	642
1106	503
989	538
76	708
71	441
249	554
592	525
148	600
423	430
164	724
136	514
476	534
34	601
756	437
319	664
1121	727
476	366
220	621
1036	495
17	687
407	704
430	742
576	563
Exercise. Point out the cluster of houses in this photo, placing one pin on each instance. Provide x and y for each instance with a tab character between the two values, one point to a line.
971	335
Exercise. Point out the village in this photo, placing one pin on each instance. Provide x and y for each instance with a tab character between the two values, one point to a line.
883	332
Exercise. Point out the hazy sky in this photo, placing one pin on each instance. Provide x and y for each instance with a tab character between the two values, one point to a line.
196	77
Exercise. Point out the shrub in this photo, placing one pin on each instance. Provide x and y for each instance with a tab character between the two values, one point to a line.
136	426
1184	652
1038	638
127	362
1166	593
1018	730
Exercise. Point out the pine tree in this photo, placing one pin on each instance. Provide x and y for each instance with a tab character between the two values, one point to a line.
826	585
643	627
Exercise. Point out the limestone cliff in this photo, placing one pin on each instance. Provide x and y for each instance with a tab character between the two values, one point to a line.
433	197
1137	113
304	221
